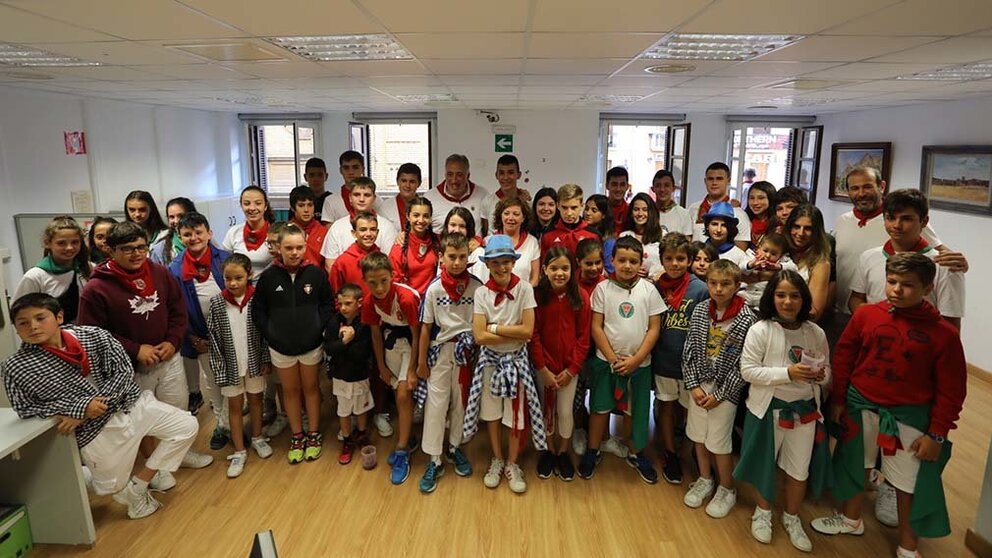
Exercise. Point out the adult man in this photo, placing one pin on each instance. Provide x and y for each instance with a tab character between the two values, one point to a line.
717	182
351	165
456	190
507	175
315	173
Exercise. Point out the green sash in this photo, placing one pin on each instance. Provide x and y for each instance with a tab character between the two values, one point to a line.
49	265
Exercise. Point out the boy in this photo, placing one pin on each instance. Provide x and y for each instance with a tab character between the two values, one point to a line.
301	208
899	384
617	189
315	173
681	291
507	175
626	322
392	310
445	357
408	179
717	183
787	199
673	217
570	228
769	258
339	235
348	346
712	371
456	190
351	165
81	376
347	268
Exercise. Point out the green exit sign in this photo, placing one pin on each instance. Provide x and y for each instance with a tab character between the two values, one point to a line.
504	143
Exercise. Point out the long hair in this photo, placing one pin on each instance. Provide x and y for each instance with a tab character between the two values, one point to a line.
766	306
268	215
154	225
543	292
819	244
652	229
466	216
66	223
607	227
188	207
536	228
91	243
408	230
769	189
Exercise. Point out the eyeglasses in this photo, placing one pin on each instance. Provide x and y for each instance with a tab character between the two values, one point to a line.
132	250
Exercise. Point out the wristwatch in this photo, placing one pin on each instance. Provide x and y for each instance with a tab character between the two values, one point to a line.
936	437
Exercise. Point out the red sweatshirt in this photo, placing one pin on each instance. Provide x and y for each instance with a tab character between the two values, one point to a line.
587	287
561	335
619	214
905	356
316	231
567	237
421	263
347	268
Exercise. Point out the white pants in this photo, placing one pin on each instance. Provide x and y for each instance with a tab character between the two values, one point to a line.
398	361
564	422
899	469
192	369
444	403
211	392
110	456
166	380
713	428
794	447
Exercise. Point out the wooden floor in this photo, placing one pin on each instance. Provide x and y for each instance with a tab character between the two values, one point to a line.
324	509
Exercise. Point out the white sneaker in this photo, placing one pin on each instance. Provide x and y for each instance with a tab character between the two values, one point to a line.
261	447
615	446
494	473
903	553
162	481
515	478
278	425
886	510
139	502
579	441
381	422
723	501
794	526
837	524
195	460
698	492
761	525
237	465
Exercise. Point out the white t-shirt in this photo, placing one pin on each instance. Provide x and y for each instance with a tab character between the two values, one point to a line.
452	318
530	251
205	291
37	280
796	341
743	224
234	241
626	314
676	219
489	205
442	204
737	256
239	333
947	295
405	297
339	237
386	207
652	256
334	209
509	312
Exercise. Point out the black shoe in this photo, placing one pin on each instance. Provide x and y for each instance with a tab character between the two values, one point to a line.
412	444
194	403
588	464
641	462
566	471
219	438
672	469
546	465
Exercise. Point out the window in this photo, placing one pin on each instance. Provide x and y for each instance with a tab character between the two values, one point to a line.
390	141
279	149
644	144
783	153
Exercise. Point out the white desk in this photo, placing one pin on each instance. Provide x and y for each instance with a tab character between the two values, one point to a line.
40	469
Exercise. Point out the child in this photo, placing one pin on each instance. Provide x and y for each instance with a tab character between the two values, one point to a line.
347	267
705	254
291	306
140	209
249	238
558	351
301	207
503	323
408	180
392	310
760	211
544	208
681	291
348	346
673	217
339	234
589	254
239	358
64	270
460	220
899	384
507	175
81	376
96	239
721	232
600	218
415	258
447	355
570	228
626	321
642	223
770	257
171	243
712	372
717	180
783	420
274	419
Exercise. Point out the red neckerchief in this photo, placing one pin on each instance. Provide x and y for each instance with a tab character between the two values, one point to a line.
736	305
414	243
759	226
385	304
590	284
921	247
480	240
442	189
255	239
346	198
234	302
401	211
673	290
704	207
523	238
308	228
619	212
358	252
454	286
196	267
73	353
502	293
138	282
863	218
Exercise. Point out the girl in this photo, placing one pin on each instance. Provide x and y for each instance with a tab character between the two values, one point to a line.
249	237
291	306
589	254
510	219
783	404
600	220
809	248
545	211
642	223
64	269
460	220
166	248
140	208
96	239
721	231
558	351
705	255
759	210
415	257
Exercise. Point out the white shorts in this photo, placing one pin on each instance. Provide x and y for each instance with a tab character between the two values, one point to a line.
246	385
110	456
713	428
670	389
354	398
899	469
794	447
166	380
398	361
500	408
311	358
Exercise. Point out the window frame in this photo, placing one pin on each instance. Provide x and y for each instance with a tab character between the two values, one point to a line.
367	119
667	120
256	175
800	126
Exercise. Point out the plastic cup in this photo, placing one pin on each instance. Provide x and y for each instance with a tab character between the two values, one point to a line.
368	457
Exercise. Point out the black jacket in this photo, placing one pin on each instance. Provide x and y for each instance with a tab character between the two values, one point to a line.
291	315
350	362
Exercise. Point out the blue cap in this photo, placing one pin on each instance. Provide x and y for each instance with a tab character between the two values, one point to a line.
500	246
721	210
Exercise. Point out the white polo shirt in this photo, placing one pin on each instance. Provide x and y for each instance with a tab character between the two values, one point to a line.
451	317
442	203
948	291
234	241
509	312
339	237
626	314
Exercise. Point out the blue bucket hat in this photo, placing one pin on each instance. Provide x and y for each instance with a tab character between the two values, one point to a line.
721	210
500	246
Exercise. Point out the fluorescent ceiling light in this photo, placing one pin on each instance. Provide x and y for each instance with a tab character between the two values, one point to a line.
344	47
611	98
669	68
16	55
801	102
704	46
967	72
427	98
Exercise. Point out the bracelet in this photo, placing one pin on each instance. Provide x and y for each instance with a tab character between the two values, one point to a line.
492	329
936	437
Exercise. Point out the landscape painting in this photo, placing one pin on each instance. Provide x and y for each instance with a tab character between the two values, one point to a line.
845	156
958	178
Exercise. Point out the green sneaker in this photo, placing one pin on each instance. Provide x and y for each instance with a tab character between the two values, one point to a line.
313	444
296	449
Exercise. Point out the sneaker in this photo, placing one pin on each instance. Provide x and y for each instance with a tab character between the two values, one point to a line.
428	482
546	465
313	446
347	450
885	505
644	468
381	422
196	460
615	446
515	478
412	444
579	441
903	553
162	481
194	403
564	467
261	447
794	526
587	466
672	468
139	502
400	462
237	465
698	492
278	425
721	504
296	446
761	525
463	467
494	473
837	524
219	438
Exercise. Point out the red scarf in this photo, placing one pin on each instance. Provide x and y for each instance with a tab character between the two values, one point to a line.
196	267
736	305
674	289
308	228
401	211
863	218
385	304
138	282
234	302
501	293
619	213
73	353
921	247
419	247
346	198
442	189
759	226
454	286
590	284
704	207
255	239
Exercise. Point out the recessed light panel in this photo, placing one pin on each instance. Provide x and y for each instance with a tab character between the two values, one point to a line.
614	99
344	47
706	46
427	98
968	72
16	55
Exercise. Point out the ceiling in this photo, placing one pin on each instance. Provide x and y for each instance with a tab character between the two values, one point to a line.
526	54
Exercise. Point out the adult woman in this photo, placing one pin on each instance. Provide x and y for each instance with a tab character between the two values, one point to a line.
809	247
168	245
249	238
140	208
545	212
642	223
511	218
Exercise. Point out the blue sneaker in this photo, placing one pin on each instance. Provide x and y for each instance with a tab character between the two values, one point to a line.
399	460
587	466
428	482
463	467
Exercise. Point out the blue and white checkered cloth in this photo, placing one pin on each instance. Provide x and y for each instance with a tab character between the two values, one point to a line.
466	351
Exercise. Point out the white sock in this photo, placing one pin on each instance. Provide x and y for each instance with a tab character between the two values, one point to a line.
787	515
851	522
903	553
436	459
139	485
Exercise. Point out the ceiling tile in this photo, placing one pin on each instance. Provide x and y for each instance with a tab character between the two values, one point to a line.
729	82
119	53
869	70
276	70
951	51
702	67
263	18
759	68
360	68
778	16
571	66
645	80
835	48
463	45
889	85
626	16
112	73
922	17
441	16
18	26
474	67
590	45
193	71
543	79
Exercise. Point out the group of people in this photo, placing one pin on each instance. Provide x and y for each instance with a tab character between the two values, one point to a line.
541	314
